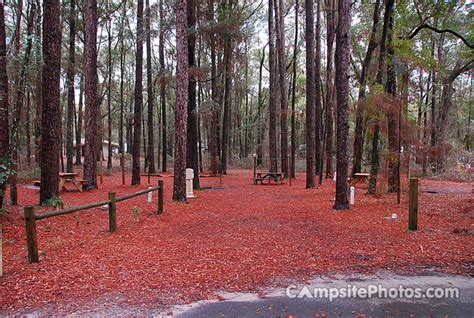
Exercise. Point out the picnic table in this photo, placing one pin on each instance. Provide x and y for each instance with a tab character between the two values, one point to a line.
269	176
70	177
359	177
66	177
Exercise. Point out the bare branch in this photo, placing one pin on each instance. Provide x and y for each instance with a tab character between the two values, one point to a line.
426	26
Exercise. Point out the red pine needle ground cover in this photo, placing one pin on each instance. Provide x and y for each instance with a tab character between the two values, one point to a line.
240	238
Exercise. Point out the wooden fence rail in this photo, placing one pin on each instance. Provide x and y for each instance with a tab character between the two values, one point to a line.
31	218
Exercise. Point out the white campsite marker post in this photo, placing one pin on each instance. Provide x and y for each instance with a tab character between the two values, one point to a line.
189	183
150	196
334	177
352	200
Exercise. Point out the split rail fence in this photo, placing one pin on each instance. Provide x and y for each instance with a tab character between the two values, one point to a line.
31	217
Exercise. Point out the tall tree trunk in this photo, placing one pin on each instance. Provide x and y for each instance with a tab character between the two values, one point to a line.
360	116
272	102
246	118
4	131
122	92
343	53
442	119
260	122
149	86
27	127
310	94
179	187
137	123
38	95
109	90
19	100
79	123
425	126
330	96
91	100
70	86
213	140
51	119
317	75
192	159
293	96
392	114
419	118
280	41
380	79
161	53
226	121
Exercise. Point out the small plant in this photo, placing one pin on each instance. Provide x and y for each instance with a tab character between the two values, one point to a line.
136	213
55	203
5	173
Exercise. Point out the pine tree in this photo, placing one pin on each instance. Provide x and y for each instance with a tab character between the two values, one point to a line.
51	117
181	114
138	105
343	53
91	102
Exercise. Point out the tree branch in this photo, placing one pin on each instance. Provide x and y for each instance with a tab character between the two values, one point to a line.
426	26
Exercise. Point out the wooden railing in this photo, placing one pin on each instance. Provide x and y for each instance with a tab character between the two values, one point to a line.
31	218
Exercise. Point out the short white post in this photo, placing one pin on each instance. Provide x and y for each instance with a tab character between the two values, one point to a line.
334	178
189	183
150	196
352	196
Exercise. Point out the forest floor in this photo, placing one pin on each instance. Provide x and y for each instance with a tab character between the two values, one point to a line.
235	237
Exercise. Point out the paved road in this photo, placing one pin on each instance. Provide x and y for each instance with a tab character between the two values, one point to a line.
277	304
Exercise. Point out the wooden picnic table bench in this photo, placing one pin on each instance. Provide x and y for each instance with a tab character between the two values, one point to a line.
66	177
269	176
359	177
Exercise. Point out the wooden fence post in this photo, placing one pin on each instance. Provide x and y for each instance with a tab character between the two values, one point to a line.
31	241
413	205
254	168
112	212
160	197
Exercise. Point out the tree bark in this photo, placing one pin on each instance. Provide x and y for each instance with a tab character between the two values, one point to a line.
70	86
213	140
149	87
330	96
109	90
343	53
137	122
280	41
226	121
38	95
122	92
393	112
91	100
19	101
260	122
51	117
179	187
360	116
442	118
310	94
4	131
272	102
380	79
192	159
317	75
293	96
161	53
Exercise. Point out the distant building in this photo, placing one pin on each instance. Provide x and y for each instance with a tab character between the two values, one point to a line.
105	147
